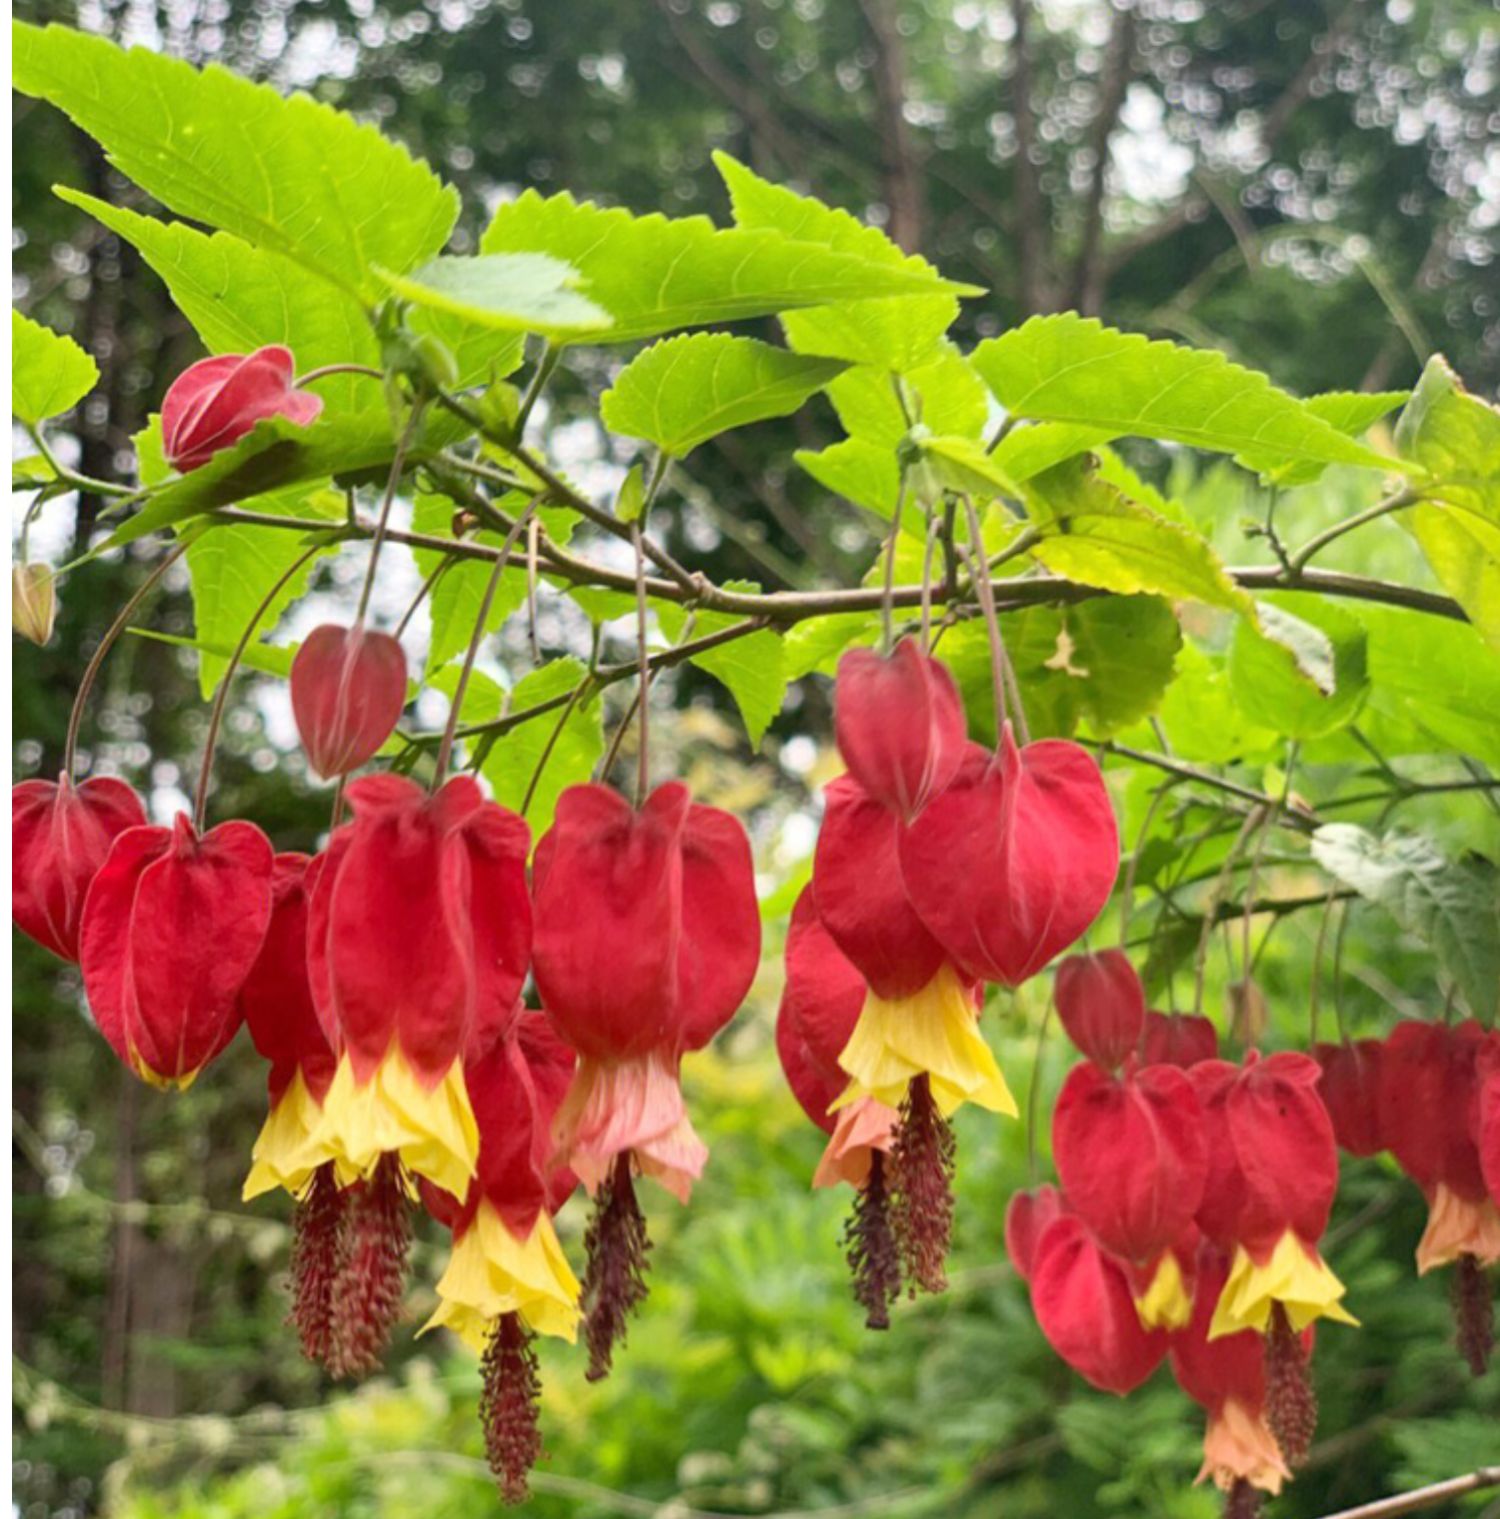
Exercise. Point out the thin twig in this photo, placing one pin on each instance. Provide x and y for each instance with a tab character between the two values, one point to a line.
1423	1497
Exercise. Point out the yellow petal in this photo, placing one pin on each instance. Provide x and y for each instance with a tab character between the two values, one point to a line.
432	1129
279	1158
933	1032
1295	1276
492	1272
1455	1227
1166	1303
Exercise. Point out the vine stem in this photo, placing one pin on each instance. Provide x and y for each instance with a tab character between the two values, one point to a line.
382	523
928	548
1396	502
643	658
221	697
1000	672
91	670
445	747
1033	1098
1211	916
323	370
888	585
1127	891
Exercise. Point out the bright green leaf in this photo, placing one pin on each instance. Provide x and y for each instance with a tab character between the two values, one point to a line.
1352	412
1304	672
943	393
752	669
484	698
1202	719
514	292
266	659
816	643
1456	438
1027	451
48	372
684	390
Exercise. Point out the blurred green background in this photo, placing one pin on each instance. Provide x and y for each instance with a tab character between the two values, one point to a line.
1310	186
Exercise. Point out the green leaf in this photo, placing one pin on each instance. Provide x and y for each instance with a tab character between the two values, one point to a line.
1304	672
1464	552
865	473
1352	412
1027	451
1456	438
49	373
283	173
889	334
752	669
654	274
484	698
684	390
1095	535
266	659
961	464
815	645
1454	906
515	292
1068	368
943	393
1202	718
513	758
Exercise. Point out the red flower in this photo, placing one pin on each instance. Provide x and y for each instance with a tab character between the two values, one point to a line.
1011	863
900	725
1130	1153
1101	1004
1487	1116
59	836
1027	1216
1429	1084
214	403
171	928
348	689
419	934
1178	1039
1350	1090
1083	1302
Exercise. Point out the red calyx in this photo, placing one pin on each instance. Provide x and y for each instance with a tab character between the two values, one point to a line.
60	834
172	926
1487	1116
1430	1091
1131	1155
1350	1090
1027	1216
1102	1005
214	403
1211	1372
1011	863
1179	1039
348	689
899	722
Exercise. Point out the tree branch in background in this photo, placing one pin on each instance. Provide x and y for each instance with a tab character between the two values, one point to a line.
1423	1497
1114	81
901	170
1034	233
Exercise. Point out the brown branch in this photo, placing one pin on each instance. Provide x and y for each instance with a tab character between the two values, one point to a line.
1114	80
901	171
1423	1497
1033	239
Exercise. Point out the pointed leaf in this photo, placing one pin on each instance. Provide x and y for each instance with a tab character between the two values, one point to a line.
752	669
1303	672
49	373
514	292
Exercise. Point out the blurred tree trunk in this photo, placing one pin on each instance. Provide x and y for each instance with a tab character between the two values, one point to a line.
901	169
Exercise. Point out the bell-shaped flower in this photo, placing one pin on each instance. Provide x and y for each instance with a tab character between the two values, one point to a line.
59	836
172	926
1014	860
348	689
1101	1005
899	722
1350	1090
1272	1173
1487	1116
1083	1302
919	1017
1429	1084
1180	1039
214	403
1131	1155
419	937
1027	1216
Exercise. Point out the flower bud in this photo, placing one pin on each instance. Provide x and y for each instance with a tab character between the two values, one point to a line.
1180	1039
1102	1005
1026	1218
214	403
348	689
33	602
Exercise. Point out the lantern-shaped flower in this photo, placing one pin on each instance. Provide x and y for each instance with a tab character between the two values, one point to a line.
59	836
419	930
1027	1216
172	925
900	725
1487	1116
348	689
1011	863
1350	1090
214	403
1180	1039
647	939
1130	1151
1101	1005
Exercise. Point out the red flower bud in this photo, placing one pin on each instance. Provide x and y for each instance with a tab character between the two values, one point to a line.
1130	1153
1430	1086
172	926
900	725
214	403
1011	863
59	836
1101	1004
1179	1039
1027	1216
348	689
1350	1090
1083	1302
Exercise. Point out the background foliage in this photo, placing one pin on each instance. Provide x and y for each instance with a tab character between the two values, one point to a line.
1303	186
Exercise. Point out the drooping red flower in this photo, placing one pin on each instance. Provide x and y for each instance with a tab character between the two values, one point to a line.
1131	1155
348	689
899	722
214	403
1084	1305
1180	1039
1027	1216
1429	1097
419	937
172	926
1487	1116
1102	1005
1350	1090
1011	863
59	836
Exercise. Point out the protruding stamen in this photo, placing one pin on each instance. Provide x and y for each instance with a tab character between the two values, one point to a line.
319	1244
1291	1403
367	1298
509	1405
922	1177
870	1248
614	1280
1473	1313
